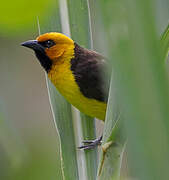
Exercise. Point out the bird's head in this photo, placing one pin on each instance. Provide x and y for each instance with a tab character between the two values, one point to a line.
51	48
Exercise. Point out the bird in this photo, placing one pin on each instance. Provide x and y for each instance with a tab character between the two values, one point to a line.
77	73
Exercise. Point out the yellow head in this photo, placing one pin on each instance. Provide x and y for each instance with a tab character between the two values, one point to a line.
51	48
56	44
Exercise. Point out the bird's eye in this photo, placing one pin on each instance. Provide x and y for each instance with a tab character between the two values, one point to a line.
47	44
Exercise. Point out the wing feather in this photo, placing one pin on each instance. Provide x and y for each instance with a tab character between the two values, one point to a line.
88	68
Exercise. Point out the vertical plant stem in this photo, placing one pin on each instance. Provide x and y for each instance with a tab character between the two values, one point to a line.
140	78
165	42
113	142
81	162
80	28
147	91
62	113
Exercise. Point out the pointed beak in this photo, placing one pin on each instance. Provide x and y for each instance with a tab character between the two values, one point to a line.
33	44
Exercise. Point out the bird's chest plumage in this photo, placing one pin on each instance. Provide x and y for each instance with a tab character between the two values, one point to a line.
63	78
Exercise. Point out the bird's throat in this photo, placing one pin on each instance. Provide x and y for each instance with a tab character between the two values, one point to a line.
44	60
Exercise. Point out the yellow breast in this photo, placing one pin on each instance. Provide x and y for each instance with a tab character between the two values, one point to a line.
63	79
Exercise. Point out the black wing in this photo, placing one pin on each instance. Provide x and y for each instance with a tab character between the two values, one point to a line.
88	68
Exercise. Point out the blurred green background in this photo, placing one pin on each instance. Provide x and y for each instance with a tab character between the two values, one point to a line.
29	147
28	139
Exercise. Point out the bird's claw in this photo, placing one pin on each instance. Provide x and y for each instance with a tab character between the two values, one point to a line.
90	144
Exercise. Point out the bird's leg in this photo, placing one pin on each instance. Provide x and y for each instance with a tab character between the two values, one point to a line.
90	144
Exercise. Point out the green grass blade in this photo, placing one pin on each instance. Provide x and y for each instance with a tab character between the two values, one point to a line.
165	41
144	93
62	113
113	142
89	132
63	118
79	19
142	86
146	96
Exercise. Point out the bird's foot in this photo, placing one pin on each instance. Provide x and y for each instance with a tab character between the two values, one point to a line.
90	144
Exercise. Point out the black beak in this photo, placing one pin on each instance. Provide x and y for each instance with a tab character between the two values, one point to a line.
33	44
40	53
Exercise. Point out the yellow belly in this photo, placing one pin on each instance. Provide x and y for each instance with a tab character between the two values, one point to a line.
63	79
